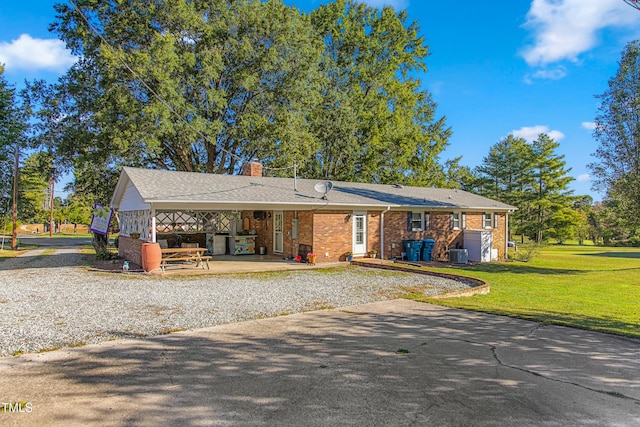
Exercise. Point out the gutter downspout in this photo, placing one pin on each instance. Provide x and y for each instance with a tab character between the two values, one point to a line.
382	232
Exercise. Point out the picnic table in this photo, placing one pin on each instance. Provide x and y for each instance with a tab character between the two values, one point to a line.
185	255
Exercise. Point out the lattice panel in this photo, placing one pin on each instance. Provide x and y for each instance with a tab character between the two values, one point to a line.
135	222
195	221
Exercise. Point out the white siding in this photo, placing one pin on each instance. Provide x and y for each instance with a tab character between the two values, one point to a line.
478	244
131	200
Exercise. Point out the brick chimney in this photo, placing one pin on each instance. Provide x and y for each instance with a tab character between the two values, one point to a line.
252	169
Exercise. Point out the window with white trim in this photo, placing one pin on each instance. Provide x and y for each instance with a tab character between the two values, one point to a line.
487	220
455	221
416	221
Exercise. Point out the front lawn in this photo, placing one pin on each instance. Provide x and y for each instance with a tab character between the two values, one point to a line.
587	287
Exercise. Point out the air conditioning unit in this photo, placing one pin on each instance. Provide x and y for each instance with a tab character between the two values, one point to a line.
458	256
260	215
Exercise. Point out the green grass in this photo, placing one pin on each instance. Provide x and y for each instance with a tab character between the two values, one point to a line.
589	287
7	252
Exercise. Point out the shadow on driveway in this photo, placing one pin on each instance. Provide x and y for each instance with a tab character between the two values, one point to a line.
389	363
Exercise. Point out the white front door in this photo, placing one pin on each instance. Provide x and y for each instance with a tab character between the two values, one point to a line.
359	233
278	227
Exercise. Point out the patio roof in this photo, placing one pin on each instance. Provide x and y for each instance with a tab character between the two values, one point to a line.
164	189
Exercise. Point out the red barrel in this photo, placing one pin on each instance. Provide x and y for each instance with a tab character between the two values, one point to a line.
151	256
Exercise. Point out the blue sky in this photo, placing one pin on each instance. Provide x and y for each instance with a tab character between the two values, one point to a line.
496	67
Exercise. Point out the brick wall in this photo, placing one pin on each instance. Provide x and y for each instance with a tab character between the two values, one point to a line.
499	236
264	230
332	231
373	232
474	221
305	230
396	231
130	249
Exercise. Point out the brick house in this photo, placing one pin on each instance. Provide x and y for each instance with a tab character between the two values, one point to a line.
287	217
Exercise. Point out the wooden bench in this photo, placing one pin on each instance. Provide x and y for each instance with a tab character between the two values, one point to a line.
200	259
184	254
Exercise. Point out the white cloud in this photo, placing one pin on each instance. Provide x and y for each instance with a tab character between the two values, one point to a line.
552	74
584	177
563	29
589	125
530	133
27	53
555	73
396	4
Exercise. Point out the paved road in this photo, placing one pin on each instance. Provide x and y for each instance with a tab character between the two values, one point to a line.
28	239
382	364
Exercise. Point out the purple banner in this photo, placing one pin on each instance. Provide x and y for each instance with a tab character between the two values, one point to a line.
100	219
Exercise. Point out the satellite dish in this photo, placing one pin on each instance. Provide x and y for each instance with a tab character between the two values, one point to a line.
323	187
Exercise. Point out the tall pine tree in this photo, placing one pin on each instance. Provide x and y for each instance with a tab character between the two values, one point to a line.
617	170
533	178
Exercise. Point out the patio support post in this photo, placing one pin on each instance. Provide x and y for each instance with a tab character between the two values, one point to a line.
506	235
382	232
153	225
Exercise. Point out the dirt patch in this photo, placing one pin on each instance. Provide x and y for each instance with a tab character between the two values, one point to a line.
112	265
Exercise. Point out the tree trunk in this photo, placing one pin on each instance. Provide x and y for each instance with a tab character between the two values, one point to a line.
100	242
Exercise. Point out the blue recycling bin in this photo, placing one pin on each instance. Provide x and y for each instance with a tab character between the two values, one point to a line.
427	249
413	248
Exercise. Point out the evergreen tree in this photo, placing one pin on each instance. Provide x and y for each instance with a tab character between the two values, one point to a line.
551	199
533	178
617	170
507	174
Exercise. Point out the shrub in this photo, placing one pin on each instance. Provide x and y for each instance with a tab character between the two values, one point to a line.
105	255
526	252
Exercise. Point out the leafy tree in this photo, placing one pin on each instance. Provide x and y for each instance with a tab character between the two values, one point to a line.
187	85
77	210
374	123
13	125
7	142
205	85
33	185
617	170
582	207
605	224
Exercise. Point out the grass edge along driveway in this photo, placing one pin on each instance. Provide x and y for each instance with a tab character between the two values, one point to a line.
588	287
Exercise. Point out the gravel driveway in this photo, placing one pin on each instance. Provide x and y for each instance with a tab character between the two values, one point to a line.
48	300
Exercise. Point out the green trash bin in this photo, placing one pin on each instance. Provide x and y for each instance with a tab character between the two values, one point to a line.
427	249
413	248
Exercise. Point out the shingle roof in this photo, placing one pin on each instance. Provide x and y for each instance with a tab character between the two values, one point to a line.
162	186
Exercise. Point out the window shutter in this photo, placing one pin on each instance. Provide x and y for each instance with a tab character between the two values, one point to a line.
495	220
409	217
426	220
464	221
451	221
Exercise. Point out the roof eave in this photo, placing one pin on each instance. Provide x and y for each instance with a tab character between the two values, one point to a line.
121	186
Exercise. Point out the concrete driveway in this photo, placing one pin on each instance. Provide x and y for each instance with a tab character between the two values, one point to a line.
382	364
